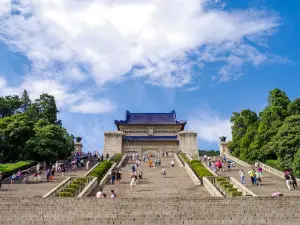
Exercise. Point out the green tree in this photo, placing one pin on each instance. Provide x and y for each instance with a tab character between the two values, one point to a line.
15	131
26	102
45	108
9	105
51	142
294	107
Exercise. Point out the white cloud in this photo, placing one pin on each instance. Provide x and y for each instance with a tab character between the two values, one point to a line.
94	106
210	127
104	40
65	98
2	82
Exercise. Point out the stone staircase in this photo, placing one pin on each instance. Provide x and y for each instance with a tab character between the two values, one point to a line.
38	189
177	182
151	210
270	182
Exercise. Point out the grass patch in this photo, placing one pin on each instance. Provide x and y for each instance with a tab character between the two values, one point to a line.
8	169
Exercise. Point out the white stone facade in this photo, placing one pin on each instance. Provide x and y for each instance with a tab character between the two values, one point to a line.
186	140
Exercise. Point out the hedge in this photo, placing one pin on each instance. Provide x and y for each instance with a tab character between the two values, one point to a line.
101	169
69	189
117	158
75	186
184	157
199	169
9	169
227	187
66	194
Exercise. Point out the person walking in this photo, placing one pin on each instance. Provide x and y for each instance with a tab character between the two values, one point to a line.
113	195
287	180
163	172
118	176
242	175
172	163
294	182
133	180
87	165
113	177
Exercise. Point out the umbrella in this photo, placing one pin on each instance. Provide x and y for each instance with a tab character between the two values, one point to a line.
276	194
229	161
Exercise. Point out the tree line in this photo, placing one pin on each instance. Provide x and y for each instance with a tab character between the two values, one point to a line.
30	130
273	135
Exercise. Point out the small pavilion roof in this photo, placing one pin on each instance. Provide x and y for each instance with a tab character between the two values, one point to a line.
150	119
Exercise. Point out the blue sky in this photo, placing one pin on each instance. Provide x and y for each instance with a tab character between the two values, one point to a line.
203	58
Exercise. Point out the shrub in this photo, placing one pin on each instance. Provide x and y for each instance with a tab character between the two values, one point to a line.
231	189
184	157
220	183
225	186
199	169
80	183
219	179
75	186
117	158
101	169
235	193
84	180
66	194
71	190
8	169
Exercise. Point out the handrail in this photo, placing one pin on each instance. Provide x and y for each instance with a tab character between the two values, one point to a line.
89	172
237	160
178	160
122	160
87	190
241	187
274	171
211	188
56	189
192	174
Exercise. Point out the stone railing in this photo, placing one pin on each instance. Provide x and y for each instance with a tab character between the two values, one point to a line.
237	160
241	187
54	192
189	157
178	160
122	161
273	170
209	169
94	183
89	188
194	177
211	188
89	172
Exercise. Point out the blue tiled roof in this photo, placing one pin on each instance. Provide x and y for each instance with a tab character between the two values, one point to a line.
150	118
150	138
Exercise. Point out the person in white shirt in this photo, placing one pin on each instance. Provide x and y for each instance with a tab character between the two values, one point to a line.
204	157
87	165
113	195
172	164
100	193
242	175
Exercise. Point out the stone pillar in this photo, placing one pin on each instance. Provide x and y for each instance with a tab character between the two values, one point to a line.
78	147
224	148
113	142
188	142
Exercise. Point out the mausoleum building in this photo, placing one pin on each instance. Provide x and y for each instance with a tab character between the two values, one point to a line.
150	133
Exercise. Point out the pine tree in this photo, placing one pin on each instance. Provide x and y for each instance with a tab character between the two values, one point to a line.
26	102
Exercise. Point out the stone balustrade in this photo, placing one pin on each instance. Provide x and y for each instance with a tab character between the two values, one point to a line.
54	192
178	160
273	170
237	160
241	187
194	177
211	188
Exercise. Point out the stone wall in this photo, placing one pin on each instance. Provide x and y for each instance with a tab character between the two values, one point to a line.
155	147
188	142
113	142
162	130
